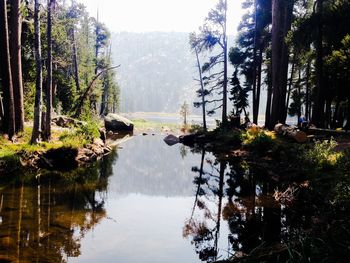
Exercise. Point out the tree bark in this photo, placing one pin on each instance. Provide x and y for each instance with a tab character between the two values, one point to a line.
16	63
8	122
39	76
307	93
258	85
282	11
290	84
318	113
47	131
269	97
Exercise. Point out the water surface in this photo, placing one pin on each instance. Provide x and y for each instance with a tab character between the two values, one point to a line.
145	202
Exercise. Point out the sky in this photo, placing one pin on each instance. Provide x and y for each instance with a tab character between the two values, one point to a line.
159	15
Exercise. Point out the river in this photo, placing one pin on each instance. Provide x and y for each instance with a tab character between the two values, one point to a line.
145	202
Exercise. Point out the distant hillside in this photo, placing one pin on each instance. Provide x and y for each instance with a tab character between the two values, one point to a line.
156	72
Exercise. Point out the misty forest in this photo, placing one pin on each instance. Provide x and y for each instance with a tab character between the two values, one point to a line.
219	144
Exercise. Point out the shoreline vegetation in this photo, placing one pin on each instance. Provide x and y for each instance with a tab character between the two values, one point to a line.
313	184
75	144
310	176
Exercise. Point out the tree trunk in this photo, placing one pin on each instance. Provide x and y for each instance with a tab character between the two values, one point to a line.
307	93
75	60
224	90
8	122
47	131
281	22
318	113
255	116
202	89
16	63
290	83
258	85
39	75
299	91
269	97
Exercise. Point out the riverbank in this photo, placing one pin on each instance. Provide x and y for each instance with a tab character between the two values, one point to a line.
71	146
308	182
68	149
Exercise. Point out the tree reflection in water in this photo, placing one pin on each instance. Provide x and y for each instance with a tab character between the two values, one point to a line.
44	217
231	191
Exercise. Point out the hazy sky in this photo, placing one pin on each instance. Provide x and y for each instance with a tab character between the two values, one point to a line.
159	15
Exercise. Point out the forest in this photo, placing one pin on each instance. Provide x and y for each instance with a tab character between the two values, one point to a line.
80	178
55	58
296	50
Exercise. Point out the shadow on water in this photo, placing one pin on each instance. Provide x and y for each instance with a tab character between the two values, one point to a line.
241	196
44	217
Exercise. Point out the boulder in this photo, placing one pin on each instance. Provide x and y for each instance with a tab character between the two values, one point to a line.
115	122
66	122
171	140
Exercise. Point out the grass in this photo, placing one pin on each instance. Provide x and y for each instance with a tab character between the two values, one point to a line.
142	124
10	152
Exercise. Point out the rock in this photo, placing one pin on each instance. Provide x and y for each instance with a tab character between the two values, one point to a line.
103	135
99	142
66	122
144	133
166	129
115	122
171	139
60	159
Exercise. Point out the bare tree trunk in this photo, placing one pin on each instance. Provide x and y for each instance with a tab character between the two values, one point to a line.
281	23
258	85
255	116
269	97
224	90
318	113
299	91
8	123
16	63
1	110
75	60
290	83
307	96
47	131
202	89
39	75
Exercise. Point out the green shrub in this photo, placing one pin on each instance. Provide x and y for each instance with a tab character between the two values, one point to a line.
81	136
196	128
322	154
88	131
258	140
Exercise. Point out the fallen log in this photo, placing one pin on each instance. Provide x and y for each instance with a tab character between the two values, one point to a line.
291	132
326	132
